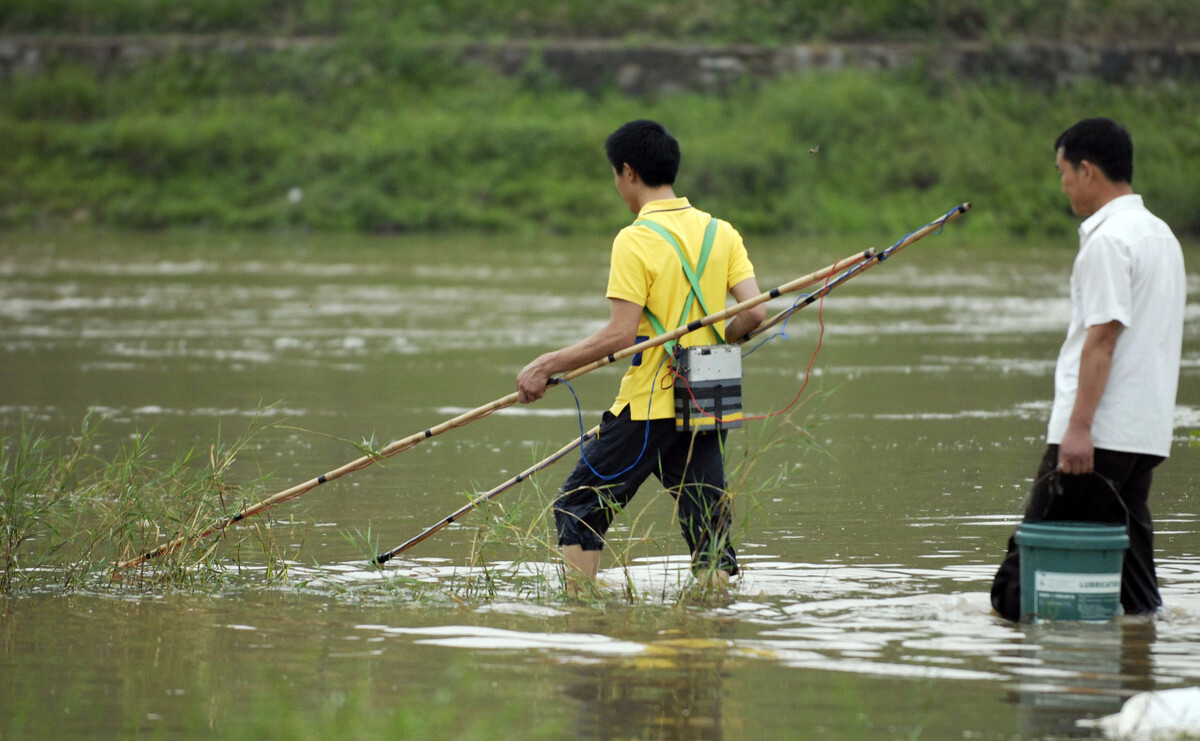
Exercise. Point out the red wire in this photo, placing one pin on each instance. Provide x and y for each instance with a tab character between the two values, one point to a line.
807	371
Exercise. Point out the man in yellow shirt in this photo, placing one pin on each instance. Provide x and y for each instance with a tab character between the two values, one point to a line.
638	435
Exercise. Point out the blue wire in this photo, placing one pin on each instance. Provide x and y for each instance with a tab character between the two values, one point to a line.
941	224
783	328
796	306
852	269
645	439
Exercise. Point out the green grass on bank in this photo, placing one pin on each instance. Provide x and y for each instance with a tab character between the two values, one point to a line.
391	137
755	21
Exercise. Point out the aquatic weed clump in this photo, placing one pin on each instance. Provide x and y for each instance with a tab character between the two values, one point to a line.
71	512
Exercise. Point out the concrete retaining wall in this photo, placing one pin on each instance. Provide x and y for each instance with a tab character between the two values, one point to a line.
666	68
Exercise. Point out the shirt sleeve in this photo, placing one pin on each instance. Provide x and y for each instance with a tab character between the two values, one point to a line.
1106	284
740	267
627	277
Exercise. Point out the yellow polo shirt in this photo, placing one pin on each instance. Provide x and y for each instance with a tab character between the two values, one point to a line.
645	270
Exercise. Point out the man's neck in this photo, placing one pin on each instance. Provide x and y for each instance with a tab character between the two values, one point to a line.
658	193
1110	193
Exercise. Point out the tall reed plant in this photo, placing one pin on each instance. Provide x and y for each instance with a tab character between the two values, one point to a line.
70	513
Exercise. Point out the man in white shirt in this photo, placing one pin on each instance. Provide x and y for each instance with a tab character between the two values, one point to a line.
1118	369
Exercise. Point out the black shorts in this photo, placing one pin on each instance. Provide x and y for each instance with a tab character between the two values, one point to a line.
690	466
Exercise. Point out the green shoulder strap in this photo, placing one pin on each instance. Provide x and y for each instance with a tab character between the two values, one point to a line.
693	276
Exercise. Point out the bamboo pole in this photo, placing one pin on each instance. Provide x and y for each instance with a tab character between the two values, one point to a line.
857	269
865	261
503	402
398	446
386	556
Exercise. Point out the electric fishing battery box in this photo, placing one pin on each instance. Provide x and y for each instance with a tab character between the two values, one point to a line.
708	391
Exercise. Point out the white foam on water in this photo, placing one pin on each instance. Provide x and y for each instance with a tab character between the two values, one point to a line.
476	637
886	620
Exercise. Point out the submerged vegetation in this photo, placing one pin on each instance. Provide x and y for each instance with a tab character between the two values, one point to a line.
70	513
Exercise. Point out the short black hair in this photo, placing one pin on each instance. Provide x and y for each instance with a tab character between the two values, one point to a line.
1103	142
648	148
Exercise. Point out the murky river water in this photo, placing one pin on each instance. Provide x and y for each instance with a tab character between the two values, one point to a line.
863	610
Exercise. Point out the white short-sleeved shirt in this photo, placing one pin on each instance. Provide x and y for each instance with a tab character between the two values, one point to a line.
1129	269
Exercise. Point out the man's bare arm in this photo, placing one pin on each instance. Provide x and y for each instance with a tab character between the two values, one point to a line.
740	325
1076	453
619	333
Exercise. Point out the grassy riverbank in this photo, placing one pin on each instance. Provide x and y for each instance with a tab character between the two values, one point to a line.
390	142
383	130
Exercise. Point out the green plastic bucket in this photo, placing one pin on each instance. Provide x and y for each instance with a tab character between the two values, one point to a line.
1071	570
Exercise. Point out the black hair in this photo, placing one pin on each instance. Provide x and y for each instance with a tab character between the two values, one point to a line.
1104	143
648	148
